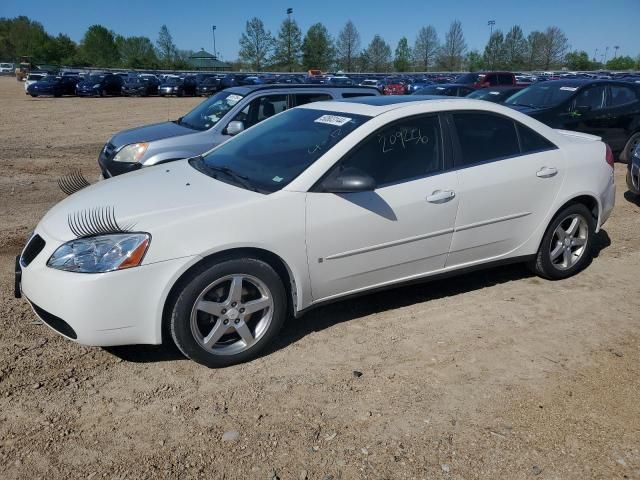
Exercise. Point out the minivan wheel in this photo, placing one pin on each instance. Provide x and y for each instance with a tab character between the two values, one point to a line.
630	146
229	312
567	244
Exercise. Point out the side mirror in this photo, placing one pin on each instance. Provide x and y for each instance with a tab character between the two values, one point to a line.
235	127
350	180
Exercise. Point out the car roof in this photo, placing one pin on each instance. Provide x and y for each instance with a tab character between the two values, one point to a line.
374	106
247	89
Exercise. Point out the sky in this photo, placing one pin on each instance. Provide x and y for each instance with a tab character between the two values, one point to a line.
588	24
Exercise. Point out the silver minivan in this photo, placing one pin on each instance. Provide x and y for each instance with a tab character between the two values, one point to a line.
211	123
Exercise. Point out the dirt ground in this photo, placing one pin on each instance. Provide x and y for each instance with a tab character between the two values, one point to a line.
492	375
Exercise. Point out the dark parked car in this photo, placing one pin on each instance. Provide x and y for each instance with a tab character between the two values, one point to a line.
633	172
56	86
100	85
143	85
208	86
179	86
487	79
494	94
446	89
607	108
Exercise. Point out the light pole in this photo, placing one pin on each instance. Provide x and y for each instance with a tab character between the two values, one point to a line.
289	12
615	55
595	55
491	23
606	51
213	30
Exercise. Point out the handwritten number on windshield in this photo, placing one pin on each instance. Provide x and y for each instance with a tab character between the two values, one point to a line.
402	138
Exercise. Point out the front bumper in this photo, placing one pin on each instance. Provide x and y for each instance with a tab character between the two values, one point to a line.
89	92
103	309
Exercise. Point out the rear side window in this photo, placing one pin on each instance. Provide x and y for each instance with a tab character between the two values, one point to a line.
406	150
621	95
303	98
485	137
531	142
504	79
492	80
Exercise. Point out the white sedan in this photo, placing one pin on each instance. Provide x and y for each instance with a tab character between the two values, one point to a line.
319	202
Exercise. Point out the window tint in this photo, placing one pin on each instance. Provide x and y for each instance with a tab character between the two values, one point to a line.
302	98
492	79
621	95
399	152
591	97
262	108
505	79
485	137
531	142
354	94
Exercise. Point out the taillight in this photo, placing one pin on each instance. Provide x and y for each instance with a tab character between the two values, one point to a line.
609	156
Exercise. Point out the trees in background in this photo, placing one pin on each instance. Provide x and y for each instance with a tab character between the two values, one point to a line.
425	48
288	47
317	48
259	50
256	44
451	54
348	47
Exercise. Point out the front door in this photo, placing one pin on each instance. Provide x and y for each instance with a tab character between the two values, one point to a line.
402	229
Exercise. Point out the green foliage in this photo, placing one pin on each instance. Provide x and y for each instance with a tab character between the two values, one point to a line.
348	47
494	52
317	48
578	61
288	46
451	54
402	60
426	48
514	49
136	52
378	55
621	63
256	44
474	61
98	47
166	47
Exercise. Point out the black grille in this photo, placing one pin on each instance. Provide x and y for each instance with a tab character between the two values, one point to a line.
56	323
108	151
31	251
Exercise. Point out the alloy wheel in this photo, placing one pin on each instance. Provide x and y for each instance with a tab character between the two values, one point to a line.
569	242
232	314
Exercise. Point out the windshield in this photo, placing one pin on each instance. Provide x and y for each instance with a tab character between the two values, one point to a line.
541	95
171	81
209	112
269	155
50	79
94	78
432	90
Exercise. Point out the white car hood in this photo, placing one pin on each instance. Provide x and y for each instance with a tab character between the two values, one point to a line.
149	199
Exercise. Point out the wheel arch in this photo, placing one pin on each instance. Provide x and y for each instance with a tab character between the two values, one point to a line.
275	261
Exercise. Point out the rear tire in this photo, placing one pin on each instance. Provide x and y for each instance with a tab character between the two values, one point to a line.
567	245
229	312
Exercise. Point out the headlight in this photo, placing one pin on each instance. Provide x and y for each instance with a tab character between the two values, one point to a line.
101	254
97	85
131	153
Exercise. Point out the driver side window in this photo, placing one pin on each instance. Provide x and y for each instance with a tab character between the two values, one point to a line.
592	97
261	108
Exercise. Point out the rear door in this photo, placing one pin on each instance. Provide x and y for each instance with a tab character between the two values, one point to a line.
589	112
508	179
622	114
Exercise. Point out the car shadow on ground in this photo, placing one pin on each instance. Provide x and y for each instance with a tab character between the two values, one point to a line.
631	198
327	316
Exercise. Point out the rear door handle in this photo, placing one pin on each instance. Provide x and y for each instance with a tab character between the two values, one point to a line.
441	196
547	172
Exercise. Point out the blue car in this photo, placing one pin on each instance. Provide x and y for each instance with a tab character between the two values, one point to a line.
100	85
54	86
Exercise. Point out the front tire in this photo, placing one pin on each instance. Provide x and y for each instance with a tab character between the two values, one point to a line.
629	147
567	245
228	312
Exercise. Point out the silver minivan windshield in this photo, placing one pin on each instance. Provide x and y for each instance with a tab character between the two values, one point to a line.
269	155
209	112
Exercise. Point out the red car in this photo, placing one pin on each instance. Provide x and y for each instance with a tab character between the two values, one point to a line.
487	79
394	88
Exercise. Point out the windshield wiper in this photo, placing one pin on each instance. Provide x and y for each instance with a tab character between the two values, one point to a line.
243	180
525	105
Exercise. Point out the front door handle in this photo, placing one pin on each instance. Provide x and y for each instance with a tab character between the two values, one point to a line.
547	172
441	196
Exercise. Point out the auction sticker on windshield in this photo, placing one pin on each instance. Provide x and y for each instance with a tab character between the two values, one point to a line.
569	89
333	120
233	99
